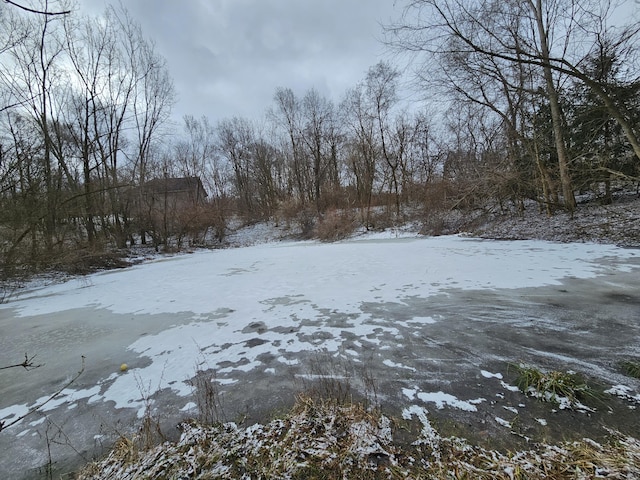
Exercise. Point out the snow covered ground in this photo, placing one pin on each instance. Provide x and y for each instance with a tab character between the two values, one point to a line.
617	223
255	310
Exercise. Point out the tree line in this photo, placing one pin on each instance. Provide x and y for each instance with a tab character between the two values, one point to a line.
559	80
534	101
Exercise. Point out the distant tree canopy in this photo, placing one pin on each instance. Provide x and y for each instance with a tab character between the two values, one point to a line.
538	101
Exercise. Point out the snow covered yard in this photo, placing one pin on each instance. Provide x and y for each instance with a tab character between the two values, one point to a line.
437	321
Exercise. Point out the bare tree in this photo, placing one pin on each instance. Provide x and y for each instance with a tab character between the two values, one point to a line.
31	76
236	138
381	86
195	153
318	136
542	13
362	146
287	115
268	174
13	31
510	93
89	44
128	90
153	98
92	94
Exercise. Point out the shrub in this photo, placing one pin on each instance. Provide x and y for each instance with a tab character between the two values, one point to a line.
306	220
335	225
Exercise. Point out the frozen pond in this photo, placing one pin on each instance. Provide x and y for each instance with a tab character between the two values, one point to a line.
435	321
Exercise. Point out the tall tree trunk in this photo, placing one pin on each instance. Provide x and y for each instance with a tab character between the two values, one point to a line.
556	113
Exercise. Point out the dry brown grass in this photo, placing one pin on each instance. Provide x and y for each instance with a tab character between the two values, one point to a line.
335	225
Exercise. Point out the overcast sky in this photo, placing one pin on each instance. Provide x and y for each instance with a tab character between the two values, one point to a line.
227	57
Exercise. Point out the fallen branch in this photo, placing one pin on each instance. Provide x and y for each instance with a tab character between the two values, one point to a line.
5	425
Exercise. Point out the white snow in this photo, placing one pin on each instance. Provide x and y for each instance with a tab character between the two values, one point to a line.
189	406
511	388
623	392
283	284
324	274
503	422
392	364
428	435
564	403
442	399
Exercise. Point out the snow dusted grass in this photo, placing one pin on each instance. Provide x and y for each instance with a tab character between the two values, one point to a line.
316	439
328	439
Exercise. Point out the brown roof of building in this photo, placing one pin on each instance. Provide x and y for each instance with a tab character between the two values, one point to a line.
175	184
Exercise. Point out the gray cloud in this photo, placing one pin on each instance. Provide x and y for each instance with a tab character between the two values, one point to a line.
228	56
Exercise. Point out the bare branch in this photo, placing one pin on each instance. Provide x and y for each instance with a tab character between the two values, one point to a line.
39	12
27	364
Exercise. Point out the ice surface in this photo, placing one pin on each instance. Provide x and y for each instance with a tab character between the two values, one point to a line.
280	299
324	274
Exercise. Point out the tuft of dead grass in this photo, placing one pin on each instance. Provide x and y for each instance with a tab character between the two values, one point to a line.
207	396
339	379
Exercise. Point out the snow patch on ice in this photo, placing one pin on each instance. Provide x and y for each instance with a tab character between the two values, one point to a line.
287	361
392	364
623	392
503	422
45	403
564	403
441	399
511	388
410	393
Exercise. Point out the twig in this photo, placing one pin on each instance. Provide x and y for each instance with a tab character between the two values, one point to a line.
27	364
4	425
